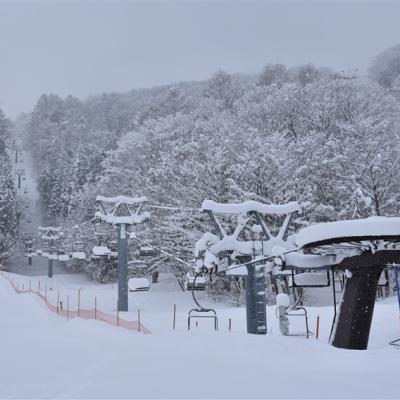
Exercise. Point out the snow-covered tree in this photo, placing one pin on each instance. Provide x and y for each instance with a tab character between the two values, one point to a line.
8	206
385	68
273	74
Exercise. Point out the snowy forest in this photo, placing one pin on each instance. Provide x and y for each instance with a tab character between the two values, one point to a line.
327	139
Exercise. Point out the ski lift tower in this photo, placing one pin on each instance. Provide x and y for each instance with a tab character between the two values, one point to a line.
220	250
123	211
50	234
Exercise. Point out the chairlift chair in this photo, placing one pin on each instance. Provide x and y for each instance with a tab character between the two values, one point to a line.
195	283
63	254
78	252
201	312
113	246
45	252
138	284
100	252
147	250
284	311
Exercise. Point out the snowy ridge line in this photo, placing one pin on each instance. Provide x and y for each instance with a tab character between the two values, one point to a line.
95	313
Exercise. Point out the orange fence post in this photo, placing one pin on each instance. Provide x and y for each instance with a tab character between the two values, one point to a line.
317	330
79	300
67	307
174	320
230	324
58	299
95	307
138	316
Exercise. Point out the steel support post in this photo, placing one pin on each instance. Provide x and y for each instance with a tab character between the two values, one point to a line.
122	268
357	307
255	300
50	261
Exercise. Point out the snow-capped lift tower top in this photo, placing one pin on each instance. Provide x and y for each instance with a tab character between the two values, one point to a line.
212	248
49	233
123	210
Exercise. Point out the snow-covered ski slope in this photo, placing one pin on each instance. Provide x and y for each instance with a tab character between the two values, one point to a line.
44	356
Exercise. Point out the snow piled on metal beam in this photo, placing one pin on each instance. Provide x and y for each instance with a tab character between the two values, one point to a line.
248	206
369	227
122	199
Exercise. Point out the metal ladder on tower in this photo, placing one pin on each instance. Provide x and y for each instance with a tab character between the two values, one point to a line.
261	303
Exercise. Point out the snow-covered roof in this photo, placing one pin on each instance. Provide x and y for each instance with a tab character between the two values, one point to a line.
247	206
363	228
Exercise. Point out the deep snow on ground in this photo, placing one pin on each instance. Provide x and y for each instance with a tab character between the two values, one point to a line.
45	356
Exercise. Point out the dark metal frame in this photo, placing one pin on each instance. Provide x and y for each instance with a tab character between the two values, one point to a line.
201	309
195	310
289	314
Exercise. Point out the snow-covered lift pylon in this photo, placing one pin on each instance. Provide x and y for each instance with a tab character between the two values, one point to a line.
49	234
362	248
123	211
220	250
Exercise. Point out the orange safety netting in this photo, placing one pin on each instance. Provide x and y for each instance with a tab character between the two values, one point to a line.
81	313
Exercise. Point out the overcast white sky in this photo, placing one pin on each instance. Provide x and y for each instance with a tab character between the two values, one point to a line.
85	47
